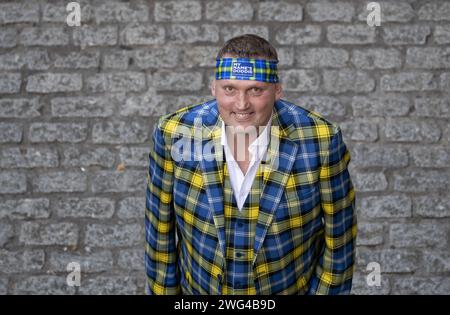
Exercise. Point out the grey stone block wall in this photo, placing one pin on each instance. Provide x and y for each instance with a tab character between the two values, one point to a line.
78	104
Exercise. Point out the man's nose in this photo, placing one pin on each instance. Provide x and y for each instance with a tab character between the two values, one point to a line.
243	101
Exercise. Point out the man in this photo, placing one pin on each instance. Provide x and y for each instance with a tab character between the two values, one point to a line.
248	193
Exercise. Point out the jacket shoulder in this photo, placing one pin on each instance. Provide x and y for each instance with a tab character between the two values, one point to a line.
304	123
182	118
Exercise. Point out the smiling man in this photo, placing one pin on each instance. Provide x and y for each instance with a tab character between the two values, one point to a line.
262	203
245	107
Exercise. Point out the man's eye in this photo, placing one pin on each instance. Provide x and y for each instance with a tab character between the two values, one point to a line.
256	90
228	89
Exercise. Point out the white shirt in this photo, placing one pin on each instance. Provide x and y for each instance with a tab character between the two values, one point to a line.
240	183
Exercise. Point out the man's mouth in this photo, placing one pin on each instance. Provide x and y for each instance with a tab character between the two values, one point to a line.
243	116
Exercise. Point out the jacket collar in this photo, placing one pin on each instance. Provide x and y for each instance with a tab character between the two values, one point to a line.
257	148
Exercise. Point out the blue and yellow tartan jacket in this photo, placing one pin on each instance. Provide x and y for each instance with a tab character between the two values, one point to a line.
306	228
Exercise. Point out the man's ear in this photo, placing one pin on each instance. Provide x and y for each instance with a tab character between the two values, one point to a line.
278	91
213	87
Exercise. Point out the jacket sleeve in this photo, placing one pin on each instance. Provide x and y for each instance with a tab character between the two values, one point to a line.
160	246
334	269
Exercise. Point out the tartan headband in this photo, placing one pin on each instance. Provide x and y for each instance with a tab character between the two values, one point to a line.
247	69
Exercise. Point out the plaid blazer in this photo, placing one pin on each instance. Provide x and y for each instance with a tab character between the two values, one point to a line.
306	226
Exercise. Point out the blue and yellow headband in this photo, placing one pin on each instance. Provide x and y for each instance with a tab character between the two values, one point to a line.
246	69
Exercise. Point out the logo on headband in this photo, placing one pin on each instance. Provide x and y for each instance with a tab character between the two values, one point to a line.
242	69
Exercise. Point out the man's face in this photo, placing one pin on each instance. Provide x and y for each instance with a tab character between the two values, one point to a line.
245	103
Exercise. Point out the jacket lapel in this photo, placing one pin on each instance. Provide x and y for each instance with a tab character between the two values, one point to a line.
281	155
211	164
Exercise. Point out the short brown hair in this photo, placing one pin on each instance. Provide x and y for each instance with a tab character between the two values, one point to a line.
248	46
